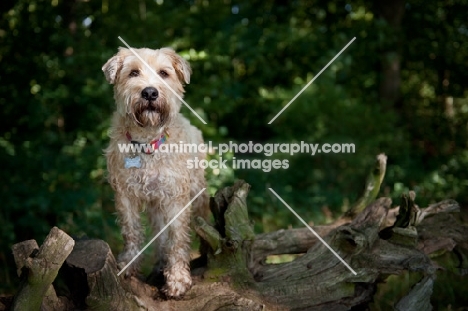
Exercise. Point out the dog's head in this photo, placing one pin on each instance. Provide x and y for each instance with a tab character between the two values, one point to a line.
145	85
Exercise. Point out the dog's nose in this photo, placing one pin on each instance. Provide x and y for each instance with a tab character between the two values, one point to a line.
149	93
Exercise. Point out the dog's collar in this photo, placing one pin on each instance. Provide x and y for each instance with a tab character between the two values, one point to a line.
152	145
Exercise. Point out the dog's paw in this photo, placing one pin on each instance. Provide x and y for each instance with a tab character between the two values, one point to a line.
178	281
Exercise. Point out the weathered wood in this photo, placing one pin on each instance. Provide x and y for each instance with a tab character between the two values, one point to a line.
40	270
92	266
230	259
374	238
318	280
446	206
297	241
372	188
207	296
22	251
441	233
419	298
208	234
318	277
107	291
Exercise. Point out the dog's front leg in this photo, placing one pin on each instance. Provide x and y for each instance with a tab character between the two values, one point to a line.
177	270
132	232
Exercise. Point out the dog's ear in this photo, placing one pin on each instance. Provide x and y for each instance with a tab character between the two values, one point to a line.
114	64
181	66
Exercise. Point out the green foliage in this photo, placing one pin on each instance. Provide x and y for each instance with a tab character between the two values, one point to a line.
249	59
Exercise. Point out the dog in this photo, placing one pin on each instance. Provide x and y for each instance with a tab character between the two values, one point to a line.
147	113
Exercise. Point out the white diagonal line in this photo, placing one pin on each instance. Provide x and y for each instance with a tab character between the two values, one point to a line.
159	233
311	81
162	80
315	233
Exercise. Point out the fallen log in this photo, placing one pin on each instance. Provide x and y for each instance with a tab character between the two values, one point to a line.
38	268
374	238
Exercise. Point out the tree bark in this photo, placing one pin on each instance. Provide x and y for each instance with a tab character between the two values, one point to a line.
39	270
95	284
374	238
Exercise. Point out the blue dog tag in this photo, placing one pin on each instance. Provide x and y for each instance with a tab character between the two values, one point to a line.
133	162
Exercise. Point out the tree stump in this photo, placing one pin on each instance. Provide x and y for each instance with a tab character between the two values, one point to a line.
375	238
39	267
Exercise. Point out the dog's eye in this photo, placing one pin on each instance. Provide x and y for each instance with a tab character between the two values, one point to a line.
134	73
163	74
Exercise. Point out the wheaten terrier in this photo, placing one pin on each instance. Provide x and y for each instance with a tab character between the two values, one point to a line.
159	182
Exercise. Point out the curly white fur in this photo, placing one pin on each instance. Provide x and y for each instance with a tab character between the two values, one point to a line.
163	184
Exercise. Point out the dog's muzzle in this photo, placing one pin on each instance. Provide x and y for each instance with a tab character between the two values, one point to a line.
151	109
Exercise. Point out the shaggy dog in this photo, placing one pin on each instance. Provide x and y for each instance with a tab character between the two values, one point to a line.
147	114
